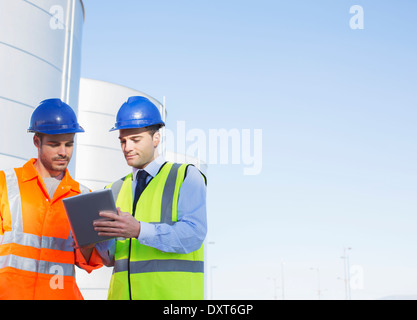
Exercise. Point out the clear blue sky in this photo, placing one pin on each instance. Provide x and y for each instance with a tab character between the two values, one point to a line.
337	109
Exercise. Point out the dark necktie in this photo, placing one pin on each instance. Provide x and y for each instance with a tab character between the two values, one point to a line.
140	186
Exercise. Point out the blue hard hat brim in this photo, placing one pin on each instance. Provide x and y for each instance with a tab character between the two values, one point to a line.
53	129
136	124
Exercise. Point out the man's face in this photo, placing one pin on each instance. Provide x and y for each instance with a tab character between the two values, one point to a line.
54	151
138	146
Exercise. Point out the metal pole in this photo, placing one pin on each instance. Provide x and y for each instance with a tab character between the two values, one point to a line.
318	279
163	148
348	268
211	281
282	279
347	273
344	266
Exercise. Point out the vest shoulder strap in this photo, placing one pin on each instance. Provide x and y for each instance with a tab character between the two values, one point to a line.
204	176
116	187
168	195
14	200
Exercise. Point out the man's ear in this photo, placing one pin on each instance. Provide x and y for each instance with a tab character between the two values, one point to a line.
37	141
156	139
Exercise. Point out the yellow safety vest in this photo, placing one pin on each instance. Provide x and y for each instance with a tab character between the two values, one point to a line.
145	273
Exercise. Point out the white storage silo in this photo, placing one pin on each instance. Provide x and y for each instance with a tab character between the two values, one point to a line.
40	58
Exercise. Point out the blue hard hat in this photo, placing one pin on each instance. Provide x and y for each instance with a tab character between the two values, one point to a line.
137	112
53	116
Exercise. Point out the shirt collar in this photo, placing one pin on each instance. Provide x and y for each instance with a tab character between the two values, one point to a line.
29	172
152	168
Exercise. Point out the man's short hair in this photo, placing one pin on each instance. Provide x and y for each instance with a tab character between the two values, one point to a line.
153	129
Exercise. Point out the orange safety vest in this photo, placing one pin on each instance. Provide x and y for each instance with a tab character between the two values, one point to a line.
36	256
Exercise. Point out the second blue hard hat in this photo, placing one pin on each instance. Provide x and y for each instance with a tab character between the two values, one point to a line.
137	112
53	116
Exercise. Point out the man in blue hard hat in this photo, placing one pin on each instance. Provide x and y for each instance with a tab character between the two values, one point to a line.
36	253
161	221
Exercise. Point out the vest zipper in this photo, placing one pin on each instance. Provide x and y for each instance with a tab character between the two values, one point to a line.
128	271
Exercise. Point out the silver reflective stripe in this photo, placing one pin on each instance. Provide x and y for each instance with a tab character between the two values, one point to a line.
170	265
15	203
31	240
21	238
57	243
168	195
39	266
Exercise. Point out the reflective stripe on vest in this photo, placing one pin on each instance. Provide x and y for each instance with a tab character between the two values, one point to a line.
38	266
15	202
31	240
168	195
170	265
17	236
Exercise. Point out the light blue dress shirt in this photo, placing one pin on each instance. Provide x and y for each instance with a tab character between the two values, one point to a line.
184	236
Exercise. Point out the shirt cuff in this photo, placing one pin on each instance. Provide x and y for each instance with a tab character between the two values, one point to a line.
95	261
106	250
147	232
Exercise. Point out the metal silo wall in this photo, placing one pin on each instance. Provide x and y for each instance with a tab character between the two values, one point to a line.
40	58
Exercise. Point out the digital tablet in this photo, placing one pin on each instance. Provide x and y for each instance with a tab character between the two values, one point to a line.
83	209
